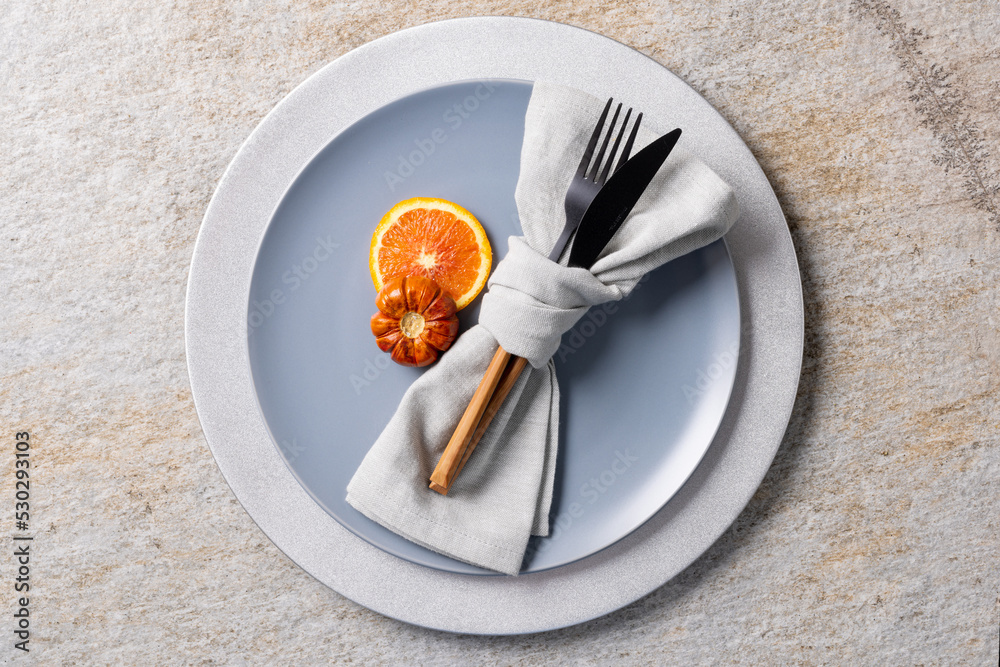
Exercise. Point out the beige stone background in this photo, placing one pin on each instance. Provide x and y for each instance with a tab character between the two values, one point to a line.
874	538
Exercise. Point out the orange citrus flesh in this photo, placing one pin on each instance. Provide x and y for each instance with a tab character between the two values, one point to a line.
436	239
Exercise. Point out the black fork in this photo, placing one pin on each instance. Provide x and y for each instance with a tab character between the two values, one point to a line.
500	375
590	178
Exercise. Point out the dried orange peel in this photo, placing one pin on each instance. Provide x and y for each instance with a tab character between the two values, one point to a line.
436	239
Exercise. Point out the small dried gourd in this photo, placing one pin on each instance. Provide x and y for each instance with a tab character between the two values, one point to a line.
416	320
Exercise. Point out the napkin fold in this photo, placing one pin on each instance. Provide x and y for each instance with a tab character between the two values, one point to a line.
504	493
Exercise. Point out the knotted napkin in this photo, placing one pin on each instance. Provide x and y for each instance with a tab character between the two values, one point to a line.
504	492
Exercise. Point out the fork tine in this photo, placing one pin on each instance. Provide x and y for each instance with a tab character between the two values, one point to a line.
614	149
628	144
587	154
604	145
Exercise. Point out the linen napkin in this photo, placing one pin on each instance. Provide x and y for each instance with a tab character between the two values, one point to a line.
504	493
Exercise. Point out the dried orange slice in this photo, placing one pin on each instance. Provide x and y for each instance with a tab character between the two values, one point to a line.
436	239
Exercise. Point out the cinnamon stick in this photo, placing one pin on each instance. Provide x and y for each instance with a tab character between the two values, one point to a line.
451	459
507	380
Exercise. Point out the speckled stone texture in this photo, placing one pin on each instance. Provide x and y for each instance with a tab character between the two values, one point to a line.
874	537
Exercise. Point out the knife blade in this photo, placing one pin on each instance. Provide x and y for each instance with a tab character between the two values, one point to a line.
617	199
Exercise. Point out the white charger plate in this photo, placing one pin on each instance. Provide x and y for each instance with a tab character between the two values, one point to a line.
219	290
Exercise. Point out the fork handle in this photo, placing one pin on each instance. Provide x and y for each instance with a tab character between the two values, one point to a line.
451	459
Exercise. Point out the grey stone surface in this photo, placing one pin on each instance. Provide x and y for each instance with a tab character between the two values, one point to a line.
874	537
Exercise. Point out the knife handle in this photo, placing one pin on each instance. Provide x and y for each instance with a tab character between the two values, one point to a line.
451	459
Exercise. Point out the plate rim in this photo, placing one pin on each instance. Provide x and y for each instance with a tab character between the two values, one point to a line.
527	603
729	377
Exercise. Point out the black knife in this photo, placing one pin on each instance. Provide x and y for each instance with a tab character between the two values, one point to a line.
617	198
606	213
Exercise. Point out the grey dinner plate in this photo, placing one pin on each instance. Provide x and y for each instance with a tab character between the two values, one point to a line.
643	384
226	259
